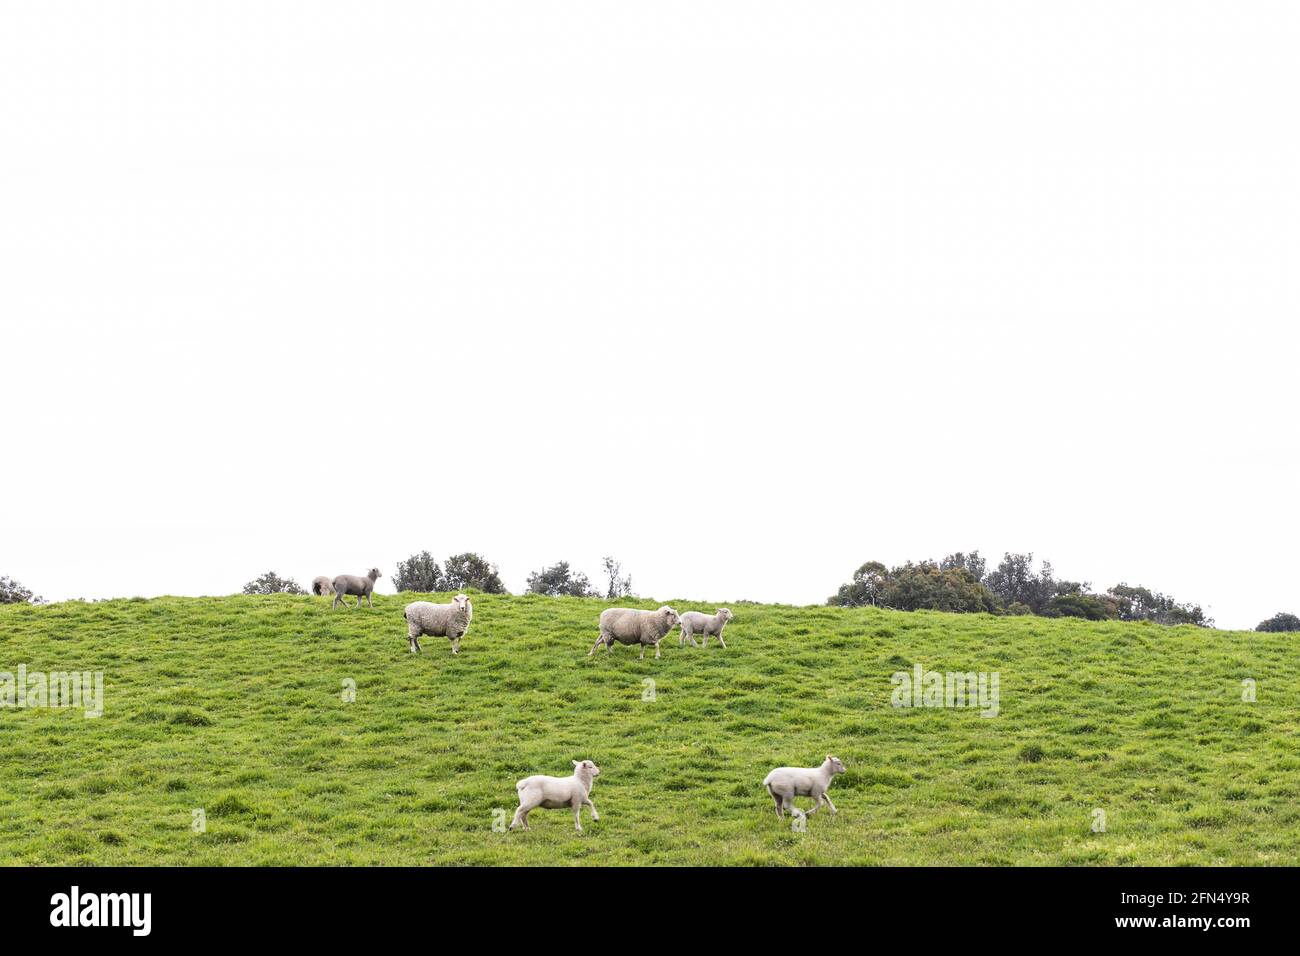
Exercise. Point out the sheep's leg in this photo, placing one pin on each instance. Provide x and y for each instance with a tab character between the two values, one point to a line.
599	641
577	815
788	804
335	603
656	650
704	639
455	645
526	806
827	798
370	599
642	657
780	814
721	641
594	815
817	802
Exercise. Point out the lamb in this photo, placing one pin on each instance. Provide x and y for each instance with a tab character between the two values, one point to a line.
555	792
629	626
785	783
695	622
438	620
322	585
346	584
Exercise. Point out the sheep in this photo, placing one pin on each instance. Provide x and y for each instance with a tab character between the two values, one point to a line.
695	622
785	783
322	585
555	792
629	626
346	584
438	620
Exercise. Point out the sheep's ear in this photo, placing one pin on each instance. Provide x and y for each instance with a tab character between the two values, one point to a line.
829	757
575	763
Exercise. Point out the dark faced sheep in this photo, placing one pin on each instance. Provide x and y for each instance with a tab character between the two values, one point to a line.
361	587
630	626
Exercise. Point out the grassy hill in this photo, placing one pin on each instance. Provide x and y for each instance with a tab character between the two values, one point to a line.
234	705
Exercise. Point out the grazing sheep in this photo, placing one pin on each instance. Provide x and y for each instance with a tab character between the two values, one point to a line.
629	626
322	585
785	783
351	584
438	620
695	622
555	792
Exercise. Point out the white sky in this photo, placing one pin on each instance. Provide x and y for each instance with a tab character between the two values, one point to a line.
743	293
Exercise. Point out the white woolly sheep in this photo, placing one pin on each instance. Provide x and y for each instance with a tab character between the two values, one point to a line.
552	793
322	585
346	584
630	626
438	620
696	622
785	783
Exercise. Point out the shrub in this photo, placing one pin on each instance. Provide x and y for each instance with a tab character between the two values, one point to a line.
1280	622
916	587
560	580
866	587
419	572
11	592
1087	606
470	570
1015	581
618	586
272	583
1143	604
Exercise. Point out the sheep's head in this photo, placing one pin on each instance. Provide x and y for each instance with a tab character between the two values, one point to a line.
586	767
837	765
670	616
462	602
374	574
725	614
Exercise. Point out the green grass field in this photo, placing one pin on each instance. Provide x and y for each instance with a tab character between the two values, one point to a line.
235	706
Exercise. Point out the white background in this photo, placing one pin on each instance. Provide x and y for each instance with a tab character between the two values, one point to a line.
743	293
